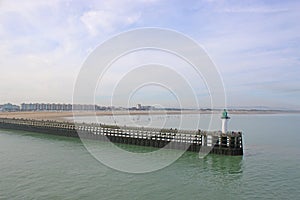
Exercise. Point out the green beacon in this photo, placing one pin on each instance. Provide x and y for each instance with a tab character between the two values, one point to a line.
225	119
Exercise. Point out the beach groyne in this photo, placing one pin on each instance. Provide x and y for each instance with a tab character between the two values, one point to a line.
216	142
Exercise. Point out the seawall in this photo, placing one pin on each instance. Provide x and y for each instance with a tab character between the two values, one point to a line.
197	141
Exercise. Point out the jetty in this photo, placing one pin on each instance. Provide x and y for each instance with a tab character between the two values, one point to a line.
215	142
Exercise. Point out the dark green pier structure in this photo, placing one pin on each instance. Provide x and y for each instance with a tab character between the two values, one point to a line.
216	142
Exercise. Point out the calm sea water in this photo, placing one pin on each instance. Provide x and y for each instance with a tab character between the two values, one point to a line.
38	166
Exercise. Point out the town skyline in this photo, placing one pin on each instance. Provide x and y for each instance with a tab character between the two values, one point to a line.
9	107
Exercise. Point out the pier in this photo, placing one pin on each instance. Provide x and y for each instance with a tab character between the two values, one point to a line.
216	142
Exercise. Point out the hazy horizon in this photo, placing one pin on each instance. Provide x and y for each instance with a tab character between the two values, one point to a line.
187	108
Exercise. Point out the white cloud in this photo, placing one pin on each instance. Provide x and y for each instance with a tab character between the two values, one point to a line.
26	6
253	10
107	21
47	41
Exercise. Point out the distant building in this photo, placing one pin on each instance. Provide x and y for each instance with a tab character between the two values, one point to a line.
9	108
58	107
45	107
139	107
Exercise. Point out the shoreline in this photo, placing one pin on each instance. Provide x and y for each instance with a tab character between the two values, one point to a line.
62	115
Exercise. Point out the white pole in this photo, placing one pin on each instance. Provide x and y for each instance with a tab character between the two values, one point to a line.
225	119
224	125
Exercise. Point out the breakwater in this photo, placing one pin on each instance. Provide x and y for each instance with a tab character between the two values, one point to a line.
216	142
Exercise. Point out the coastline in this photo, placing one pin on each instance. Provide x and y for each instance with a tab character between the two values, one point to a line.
59	116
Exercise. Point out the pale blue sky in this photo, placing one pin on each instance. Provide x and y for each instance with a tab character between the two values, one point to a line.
254	44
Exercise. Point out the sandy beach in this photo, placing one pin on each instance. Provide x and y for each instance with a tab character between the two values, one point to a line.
43	115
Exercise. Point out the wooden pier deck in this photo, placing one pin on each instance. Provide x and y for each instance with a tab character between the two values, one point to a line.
214	142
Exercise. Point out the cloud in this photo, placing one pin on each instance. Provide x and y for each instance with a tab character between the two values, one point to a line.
253	10
44	43
107	21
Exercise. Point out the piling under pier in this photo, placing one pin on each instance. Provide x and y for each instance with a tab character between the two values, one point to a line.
215	142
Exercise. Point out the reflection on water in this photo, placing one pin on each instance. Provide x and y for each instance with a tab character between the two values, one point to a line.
224	164
217	164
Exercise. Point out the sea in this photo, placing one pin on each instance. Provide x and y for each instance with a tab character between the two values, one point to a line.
40	166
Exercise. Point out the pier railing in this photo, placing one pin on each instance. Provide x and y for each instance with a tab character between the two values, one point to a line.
216	142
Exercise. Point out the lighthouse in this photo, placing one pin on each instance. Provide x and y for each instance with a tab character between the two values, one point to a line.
225	119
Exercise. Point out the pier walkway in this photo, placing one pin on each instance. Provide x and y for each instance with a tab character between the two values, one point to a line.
216	142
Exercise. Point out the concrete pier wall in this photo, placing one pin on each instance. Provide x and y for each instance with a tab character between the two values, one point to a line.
214	142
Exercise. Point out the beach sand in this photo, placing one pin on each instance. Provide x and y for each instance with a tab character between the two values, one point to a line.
60	116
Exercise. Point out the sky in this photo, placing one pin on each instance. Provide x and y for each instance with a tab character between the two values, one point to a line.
255	45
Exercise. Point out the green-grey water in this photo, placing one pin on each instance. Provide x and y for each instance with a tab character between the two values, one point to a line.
38	166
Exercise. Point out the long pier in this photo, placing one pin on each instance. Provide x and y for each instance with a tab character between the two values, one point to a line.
216	142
